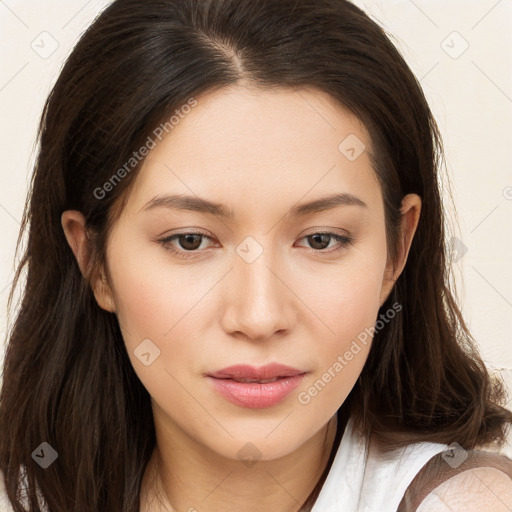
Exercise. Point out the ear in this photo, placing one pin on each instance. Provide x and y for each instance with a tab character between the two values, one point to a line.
410	216
74	226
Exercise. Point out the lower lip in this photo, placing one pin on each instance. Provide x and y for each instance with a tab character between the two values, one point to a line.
255	395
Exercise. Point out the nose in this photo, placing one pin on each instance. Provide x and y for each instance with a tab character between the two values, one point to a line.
259	303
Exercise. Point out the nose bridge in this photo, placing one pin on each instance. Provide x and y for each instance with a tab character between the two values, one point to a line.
260	302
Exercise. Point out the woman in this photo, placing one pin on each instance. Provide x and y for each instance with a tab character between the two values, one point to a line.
238	294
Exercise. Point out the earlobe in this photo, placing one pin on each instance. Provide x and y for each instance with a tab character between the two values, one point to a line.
103	292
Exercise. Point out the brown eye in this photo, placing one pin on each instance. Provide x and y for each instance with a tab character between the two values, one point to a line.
320	241
188	244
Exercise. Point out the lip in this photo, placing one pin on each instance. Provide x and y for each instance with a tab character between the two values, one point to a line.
256	395
246	371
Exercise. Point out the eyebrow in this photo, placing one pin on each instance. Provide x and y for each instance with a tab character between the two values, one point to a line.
197	204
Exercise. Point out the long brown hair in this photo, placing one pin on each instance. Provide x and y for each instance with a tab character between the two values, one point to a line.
67	377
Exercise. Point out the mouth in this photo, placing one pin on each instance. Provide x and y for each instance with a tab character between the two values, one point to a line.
247	373
256	388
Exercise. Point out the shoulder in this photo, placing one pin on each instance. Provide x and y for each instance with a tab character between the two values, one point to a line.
458	480
476	489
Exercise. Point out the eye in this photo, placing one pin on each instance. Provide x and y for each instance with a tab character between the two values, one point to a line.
320	241
190	243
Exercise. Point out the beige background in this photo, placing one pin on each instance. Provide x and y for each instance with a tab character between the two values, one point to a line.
459	49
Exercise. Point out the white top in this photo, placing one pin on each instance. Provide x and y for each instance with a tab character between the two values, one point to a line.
355	484
378	484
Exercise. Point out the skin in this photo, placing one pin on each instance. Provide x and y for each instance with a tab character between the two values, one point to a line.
259	153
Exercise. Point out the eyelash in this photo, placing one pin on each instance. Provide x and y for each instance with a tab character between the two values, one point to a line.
344	242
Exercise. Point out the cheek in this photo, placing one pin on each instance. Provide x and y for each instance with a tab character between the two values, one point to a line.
158	323
350	314
346	297
340	354
347	301
158	303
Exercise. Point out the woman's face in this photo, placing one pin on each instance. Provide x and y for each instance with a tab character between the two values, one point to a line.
256	287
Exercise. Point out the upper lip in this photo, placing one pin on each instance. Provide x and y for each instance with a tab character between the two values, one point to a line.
246	371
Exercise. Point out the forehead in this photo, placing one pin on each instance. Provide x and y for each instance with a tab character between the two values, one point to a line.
261	146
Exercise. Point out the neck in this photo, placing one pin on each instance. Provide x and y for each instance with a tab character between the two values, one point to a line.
183	475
